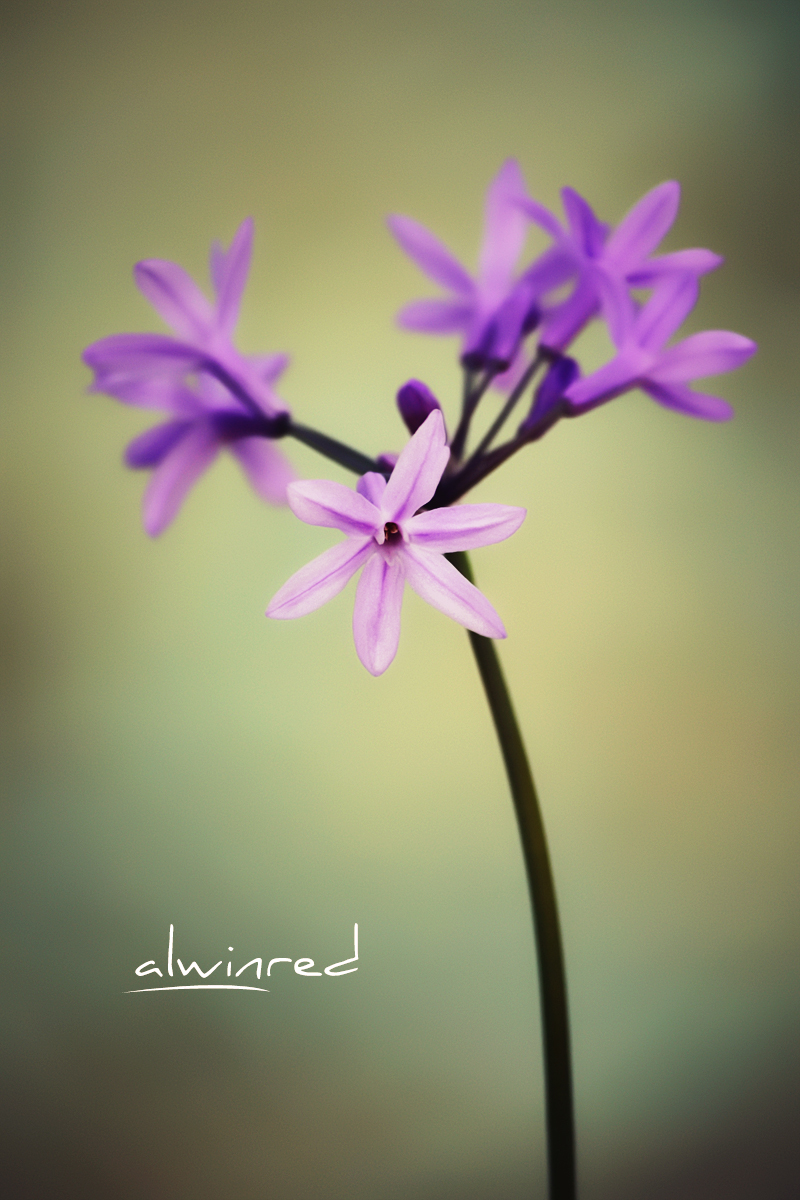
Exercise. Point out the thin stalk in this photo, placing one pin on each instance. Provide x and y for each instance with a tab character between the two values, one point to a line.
472	396
345	456
506	410
550	955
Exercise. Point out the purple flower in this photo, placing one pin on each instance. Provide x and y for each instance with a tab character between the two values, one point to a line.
396	545
586	248
489	311
215	395
642	361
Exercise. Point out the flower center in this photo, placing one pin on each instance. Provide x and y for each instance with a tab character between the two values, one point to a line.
392	533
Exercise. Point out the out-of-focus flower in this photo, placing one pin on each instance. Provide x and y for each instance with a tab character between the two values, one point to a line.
643	361
489	311
587	248
215	395
396	545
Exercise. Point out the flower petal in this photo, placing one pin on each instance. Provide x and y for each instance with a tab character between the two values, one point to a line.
463	527
430	255
505	230
671	302
542	216
709	353
229	273
684	400
321	579
436	316
641	229
176	298
419	468
176	473
267	469
610	380
439	583
567	319
269	367
372	486
152	446
587	231
696	262
376	615
140	354
323	502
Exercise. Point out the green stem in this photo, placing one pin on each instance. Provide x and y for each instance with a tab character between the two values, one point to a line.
550	954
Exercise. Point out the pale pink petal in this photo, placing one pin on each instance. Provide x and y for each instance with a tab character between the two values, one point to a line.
430	255
436	316
419	468
683	399
641	229
267	469
229	272
464	527
376	615
372	486
172	479
320	580
709	353
439	583
323	502
505	230
671	302
176	298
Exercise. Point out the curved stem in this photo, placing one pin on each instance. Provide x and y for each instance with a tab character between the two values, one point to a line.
552	976
345	456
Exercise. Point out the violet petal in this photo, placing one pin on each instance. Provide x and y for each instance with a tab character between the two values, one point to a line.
671	302
504	232
683	399
643	227
176	298
173	477
152	446
463	527
321	579
267	469
709	353
376	615
436	316
430	255
372	486
419	468
334	506
230	276
439	583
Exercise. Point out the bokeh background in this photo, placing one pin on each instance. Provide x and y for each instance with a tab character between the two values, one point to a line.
173	757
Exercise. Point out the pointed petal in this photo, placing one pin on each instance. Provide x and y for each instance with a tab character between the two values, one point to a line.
165	393
323	502
709	353
430	255
320	580
172	479
542	216
229	272
269	367
549	271
152	446
505	229
693	262
684	400
640	230
463	527
372	486
419	468
566	320
618	306
376	615
140	354
587	231
175	297
615	377
436	316
439	583
671	302
267	469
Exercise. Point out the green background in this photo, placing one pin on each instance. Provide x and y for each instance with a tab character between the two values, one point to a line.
174	757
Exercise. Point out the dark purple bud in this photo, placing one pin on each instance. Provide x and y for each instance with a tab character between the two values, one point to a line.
550	391
416	403
532	318
387	462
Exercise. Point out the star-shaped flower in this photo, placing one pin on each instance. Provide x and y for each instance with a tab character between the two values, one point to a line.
597	254
488	311
215	395
396	544
664	373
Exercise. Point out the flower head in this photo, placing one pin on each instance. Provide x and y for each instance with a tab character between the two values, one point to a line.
488	311
215	395
664	373
396	544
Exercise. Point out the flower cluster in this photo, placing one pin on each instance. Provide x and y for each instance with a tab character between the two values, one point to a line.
514	323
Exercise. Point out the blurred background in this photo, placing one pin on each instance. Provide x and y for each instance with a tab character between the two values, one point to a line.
173	757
